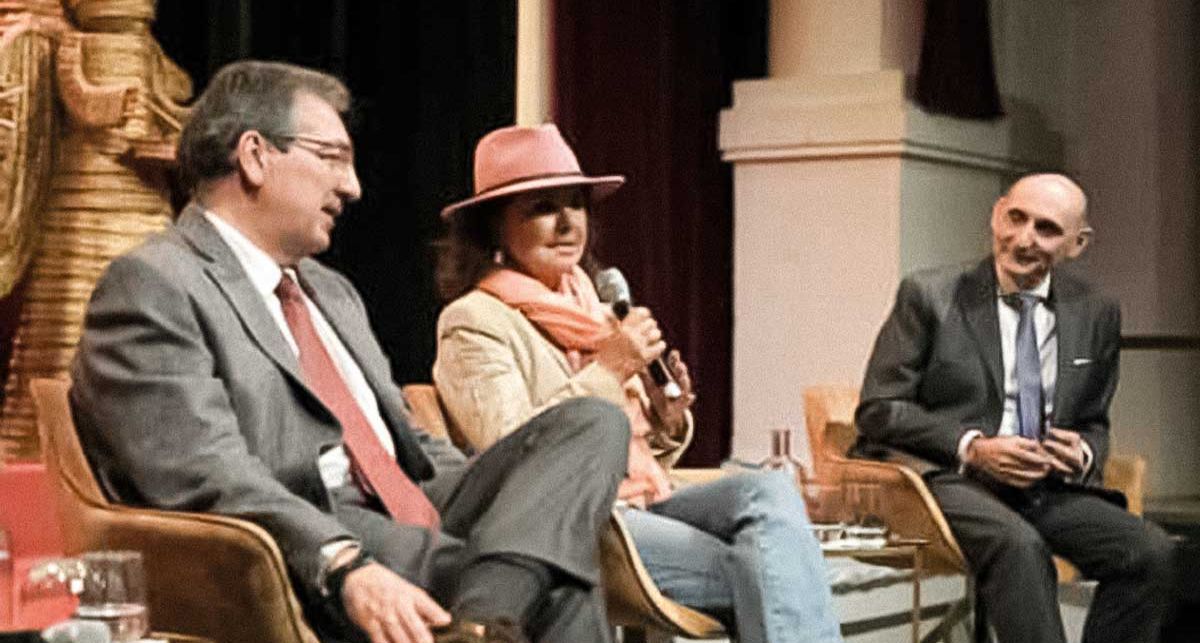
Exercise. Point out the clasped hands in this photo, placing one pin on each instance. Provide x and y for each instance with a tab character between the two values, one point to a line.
1022	462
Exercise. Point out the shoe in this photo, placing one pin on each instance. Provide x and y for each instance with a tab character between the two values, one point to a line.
498	630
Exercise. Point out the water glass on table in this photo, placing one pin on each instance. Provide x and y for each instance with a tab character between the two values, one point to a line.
864	522
116	593
109	585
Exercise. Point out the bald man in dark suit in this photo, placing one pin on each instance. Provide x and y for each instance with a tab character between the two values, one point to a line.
993	380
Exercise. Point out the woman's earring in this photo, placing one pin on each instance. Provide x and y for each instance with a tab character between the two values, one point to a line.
498	257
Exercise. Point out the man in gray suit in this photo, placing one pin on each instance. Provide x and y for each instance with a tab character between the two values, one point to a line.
993	381
222	369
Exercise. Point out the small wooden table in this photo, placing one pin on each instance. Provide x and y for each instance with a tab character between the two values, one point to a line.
902	550
171	637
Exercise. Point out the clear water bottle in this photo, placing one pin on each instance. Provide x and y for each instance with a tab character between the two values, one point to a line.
781	458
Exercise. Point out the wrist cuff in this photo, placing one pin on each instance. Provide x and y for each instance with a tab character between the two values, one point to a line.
335	578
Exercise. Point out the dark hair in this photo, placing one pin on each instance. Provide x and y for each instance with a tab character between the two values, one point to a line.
466	253
243	96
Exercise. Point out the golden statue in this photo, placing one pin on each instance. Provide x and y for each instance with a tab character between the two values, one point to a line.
90	114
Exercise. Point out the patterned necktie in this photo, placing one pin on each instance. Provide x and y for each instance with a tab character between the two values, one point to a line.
373	468
1029	371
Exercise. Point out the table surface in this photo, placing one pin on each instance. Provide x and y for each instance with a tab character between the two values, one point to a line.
898	547
171	637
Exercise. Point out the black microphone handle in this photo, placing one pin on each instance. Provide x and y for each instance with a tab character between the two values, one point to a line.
658	371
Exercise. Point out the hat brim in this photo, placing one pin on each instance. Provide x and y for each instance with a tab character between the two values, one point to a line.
601	186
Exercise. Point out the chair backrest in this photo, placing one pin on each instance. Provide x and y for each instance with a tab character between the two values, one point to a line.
214	576
65	460
829	420
1127	473
429	414
909	508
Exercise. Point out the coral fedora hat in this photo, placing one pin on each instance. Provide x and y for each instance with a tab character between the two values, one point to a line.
518	159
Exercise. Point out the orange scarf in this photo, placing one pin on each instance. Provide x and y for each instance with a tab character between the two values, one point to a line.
572	317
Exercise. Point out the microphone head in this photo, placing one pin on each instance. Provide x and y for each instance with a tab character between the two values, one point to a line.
611	286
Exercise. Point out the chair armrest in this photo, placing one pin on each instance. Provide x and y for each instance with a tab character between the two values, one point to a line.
907	507
632	597
1127	473
192	558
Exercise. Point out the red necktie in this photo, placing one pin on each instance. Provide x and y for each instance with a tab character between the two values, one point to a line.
377	471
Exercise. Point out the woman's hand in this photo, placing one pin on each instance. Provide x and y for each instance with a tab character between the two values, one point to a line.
646	475
634	492
672	413
634	343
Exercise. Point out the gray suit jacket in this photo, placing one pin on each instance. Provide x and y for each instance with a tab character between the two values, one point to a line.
936	370
188	397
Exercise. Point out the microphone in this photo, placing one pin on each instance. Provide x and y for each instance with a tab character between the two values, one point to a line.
613	289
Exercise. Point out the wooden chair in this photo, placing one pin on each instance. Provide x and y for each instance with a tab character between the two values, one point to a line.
220	578
909	508
633	599
224	578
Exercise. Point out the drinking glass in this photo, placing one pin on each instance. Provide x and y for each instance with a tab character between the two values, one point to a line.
864	514
110	587
115	593
824	501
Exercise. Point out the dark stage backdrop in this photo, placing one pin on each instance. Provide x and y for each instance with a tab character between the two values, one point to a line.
640	84
429	78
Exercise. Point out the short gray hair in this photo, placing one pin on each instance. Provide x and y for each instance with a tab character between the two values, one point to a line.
243	96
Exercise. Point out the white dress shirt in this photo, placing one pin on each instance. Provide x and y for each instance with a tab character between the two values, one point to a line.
1045	325
265	274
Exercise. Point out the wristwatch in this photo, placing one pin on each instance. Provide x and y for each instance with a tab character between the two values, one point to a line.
330	552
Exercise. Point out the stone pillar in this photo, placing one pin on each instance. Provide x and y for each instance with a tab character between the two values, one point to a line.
841	186
535	71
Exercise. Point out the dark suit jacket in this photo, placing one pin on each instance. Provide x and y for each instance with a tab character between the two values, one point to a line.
936	370
188	397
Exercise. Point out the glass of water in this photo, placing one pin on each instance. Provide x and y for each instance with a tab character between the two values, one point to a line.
110	587
114	593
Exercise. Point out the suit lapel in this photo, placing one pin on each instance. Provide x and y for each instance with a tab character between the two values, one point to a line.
338	312
979	311
225	270
1068	316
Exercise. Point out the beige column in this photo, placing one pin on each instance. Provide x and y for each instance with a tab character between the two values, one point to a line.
535	64
841	186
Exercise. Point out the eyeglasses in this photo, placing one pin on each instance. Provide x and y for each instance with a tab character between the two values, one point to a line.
336	155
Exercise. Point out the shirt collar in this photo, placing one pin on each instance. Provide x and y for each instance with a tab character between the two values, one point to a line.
264	273
1041	291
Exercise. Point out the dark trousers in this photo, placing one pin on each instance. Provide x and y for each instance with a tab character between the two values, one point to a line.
1009	535
543	492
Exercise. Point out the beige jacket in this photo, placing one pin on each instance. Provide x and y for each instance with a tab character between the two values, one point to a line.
495	370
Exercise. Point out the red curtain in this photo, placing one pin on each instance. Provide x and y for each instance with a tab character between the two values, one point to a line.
639	86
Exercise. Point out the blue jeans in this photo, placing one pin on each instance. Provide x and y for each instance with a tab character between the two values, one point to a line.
740	544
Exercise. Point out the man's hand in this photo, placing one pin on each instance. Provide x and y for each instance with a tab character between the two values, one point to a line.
1065	449
388	608
672	413
1010	459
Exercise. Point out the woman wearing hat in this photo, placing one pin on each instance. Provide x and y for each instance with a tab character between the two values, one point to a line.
526	330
